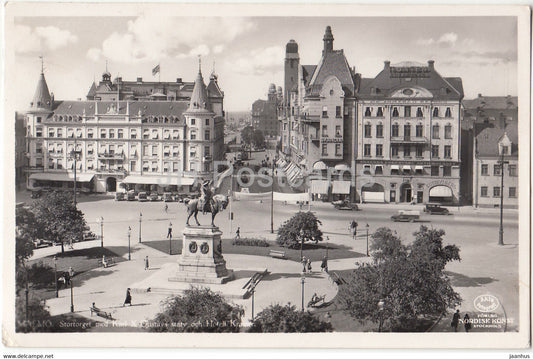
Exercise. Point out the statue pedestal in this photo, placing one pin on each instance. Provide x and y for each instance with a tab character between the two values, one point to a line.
201	259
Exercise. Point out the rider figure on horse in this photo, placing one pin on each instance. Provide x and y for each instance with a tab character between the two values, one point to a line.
206	196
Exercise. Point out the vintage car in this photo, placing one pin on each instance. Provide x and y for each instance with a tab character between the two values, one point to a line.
406	216
39	243
130	196
154	197
435	208
142	197
344	204
167	197
88	235
120	196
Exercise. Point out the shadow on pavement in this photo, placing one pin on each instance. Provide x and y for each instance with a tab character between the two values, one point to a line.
275	276
460	280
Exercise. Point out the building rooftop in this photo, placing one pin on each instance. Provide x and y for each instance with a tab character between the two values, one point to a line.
492	102
487	140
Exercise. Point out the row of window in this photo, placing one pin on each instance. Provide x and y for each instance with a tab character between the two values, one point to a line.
497	170
110	133
407	112
419	131
419	150
338	149
407	170
338	131
496	191
338	111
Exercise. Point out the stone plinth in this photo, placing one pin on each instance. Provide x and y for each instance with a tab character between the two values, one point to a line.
201	259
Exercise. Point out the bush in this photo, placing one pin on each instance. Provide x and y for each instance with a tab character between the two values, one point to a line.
41	275
38	318
252	242
198	310
290	232
287	319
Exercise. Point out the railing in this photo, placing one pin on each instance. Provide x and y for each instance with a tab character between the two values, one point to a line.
409	139
111	156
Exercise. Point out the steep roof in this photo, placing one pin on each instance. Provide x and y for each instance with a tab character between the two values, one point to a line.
487	140
492	102
213	90
92	91
308	71
199	102
41	99
409	74
332	63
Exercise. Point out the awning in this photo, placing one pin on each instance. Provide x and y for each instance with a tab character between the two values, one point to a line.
341	187
160	180
319	186
341	167
319	165
406	168
419	168
440	191
395	167
65	177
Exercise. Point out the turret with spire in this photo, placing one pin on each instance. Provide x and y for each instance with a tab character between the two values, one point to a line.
199	100
42	101
328	41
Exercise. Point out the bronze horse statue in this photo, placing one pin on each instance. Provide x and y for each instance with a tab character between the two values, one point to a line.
218	203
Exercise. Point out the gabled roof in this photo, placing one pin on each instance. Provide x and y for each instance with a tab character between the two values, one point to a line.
488	139
41	99
213	90
332	63
92	91
492	102
308	71
392	78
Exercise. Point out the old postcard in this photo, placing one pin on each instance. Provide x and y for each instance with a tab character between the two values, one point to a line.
338	176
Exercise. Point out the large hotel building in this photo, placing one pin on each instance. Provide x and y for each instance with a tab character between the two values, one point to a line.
400	131
162	134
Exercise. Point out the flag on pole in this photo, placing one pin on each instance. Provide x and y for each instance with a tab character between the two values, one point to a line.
155	70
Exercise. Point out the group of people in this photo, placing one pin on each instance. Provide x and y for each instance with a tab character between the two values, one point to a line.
466	321
306	262
64	280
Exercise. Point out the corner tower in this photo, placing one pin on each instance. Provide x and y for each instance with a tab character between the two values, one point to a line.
292	63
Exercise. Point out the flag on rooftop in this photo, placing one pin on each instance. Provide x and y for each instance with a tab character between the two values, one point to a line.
155	70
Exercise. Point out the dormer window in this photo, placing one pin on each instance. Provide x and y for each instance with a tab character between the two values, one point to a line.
504	150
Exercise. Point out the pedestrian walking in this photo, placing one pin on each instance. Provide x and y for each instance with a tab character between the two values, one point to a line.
128	298
324	265
67	278
309	264
467	323
169	234
146	264
455	320
304	264
71	272
166	208
238	233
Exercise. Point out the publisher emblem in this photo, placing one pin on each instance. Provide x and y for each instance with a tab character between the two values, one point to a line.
486	303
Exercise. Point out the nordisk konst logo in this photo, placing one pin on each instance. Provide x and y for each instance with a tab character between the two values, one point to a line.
486	303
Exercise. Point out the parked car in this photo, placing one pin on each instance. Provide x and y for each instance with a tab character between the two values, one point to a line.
120	196
130	196
345	204
142	197
40	243
154	197
88	235
406	216
167	197
435	208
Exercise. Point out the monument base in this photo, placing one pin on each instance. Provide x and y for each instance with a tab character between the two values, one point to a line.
201	259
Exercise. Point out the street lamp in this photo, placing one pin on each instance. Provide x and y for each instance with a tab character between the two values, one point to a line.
55	276
301	244
140	225
71	297
381	306
303	286
101	221
129	245
367	239
327	246
502	163
272	200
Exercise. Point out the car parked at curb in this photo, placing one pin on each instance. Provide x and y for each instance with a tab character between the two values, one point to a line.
120	196
406	216
435	208
142	197
154	197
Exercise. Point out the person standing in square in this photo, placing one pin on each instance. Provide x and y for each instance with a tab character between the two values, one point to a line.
169	234
146	263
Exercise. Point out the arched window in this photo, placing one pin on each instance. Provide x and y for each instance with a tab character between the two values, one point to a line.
407	130
368	112
395	130
436	112
395	112
448	112
380	112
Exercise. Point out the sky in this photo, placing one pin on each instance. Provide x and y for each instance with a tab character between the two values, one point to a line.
247	52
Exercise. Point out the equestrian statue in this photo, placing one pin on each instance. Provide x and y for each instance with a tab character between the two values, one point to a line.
206	203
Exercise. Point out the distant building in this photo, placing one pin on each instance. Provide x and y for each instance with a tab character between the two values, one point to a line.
478	114
489	145
142	134
265	113
399	131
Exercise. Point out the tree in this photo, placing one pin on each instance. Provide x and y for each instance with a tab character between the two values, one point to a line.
57	219
247	135
258	139
198	310
409	280
290	232
287	319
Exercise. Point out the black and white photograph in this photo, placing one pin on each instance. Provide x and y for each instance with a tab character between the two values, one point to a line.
177	172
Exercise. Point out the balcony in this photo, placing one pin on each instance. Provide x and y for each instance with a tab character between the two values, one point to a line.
408	139
310	118
110	156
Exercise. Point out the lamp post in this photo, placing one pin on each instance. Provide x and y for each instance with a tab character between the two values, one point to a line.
367	239
381	306
74	154
129	245
140	225
55	276
301	244
101	220
303	290
502	163
327	246
272	200
170	238
71	297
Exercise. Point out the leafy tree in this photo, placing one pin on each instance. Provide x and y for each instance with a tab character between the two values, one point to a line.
410	280
247	135
198	310
37	318
287	319
57	219
290	232
258	139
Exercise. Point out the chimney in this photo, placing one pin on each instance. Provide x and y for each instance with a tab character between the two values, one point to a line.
387	65
431	64
139	79
179	80
51	99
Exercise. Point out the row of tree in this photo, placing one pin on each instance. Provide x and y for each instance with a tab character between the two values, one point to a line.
251	136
